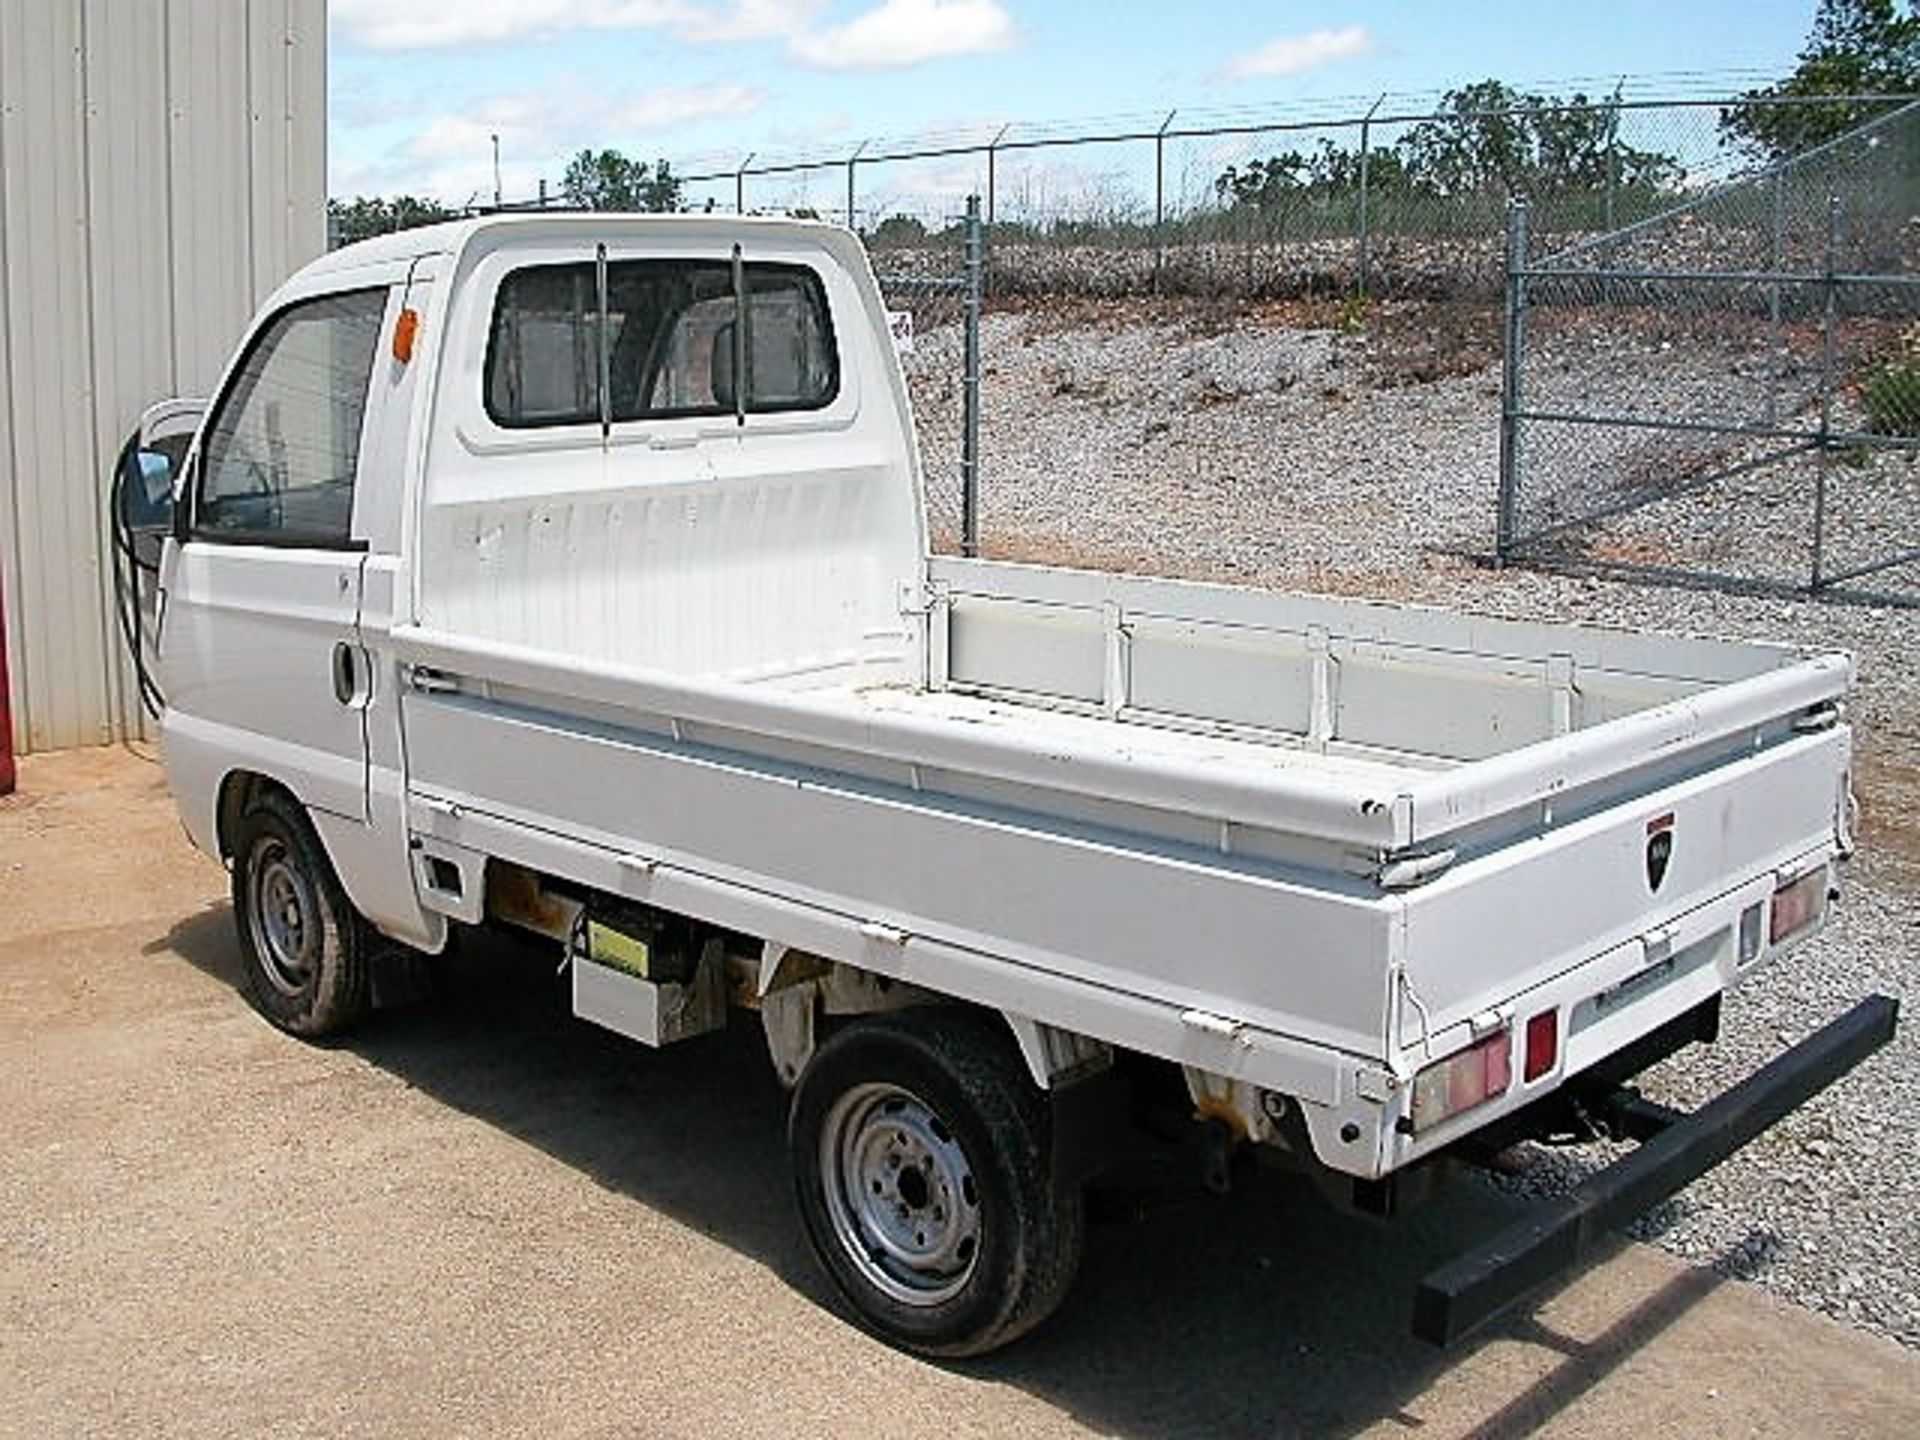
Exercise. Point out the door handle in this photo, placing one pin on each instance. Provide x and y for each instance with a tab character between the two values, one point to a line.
429	681
345	683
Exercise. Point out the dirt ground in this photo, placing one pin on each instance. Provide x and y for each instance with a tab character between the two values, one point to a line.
478	1216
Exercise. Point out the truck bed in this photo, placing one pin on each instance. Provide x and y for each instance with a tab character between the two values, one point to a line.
1337	721
1017	834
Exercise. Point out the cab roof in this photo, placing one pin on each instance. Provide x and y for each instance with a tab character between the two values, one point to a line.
451	236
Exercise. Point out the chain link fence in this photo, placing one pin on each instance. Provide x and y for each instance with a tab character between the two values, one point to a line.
1728	391
1393	201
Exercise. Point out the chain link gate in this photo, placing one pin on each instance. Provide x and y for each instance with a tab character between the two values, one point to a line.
1728	392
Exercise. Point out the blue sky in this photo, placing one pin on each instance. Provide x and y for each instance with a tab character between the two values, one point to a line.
418	87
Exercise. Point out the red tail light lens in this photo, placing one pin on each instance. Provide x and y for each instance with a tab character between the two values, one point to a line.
1543	1044
1798	905
1474	1076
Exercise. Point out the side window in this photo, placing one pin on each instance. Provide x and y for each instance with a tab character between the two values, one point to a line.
279	460
669	335
543	357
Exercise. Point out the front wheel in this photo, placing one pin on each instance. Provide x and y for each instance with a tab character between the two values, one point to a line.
304	948
922	1157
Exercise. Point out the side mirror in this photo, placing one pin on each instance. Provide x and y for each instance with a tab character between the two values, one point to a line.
165	434
163	467
149	495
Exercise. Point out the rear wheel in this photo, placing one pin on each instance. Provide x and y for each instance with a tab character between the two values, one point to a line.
922	1156
304	949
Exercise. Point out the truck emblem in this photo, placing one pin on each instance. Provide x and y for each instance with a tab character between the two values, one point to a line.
1659	850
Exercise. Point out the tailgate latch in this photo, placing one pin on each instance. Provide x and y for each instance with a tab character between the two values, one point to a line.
1403	872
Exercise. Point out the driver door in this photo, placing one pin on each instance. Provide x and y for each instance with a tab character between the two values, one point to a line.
259	646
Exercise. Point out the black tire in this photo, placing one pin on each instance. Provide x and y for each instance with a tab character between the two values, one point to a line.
959	1240
304	948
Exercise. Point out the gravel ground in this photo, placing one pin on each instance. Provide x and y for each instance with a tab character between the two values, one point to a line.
1284	455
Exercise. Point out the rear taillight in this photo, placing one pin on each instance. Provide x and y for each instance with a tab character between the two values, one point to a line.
1472	1077
1543	1045
1798	905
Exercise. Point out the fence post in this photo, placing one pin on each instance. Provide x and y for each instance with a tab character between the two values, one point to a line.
1506	525
1160	197
740	185
852	160
1830	285
1776	260
1366	239
993	150
970	392
1613	151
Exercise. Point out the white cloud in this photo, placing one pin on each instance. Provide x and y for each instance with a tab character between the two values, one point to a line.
458	24
1292	54
892	34
898	33
748	20
453	24
450	156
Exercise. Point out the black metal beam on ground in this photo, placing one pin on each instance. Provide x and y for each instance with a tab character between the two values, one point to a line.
1470	1290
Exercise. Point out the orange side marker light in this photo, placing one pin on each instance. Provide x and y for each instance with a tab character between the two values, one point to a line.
405	329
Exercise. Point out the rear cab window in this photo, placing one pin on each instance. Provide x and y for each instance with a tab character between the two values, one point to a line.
670	342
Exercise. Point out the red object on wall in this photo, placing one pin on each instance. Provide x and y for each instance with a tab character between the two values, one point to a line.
6	708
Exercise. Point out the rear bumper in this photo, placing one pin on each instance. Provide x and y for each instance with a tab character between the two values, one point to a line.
1468	1291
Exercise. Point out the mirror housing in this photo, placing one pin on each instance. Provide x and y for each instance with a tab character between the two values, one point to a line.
166	433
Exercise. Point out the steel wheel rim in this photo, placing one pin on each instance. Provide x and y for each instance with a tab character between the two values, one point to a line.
283	917
900	1195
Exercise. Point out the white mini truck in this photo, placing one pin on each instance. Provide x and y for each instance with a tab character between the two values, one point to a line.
570	574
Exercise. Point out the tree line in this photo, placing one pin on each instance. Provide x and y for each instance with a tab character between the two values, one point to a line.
594	180
1485	139
1491	139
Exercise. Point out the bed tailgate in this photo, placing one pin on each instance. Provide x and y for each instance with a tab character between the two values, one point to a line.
1647	887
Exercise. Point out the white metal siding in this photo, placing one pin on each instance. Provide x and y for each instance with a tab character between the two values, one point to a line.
162	167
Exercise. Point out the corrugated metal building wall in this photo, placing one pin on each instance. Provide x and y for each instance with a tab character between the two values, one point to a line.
162	168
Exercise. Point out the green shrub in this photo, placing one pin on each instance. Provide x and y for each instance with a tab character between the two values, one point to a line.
1891	395
1352	319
